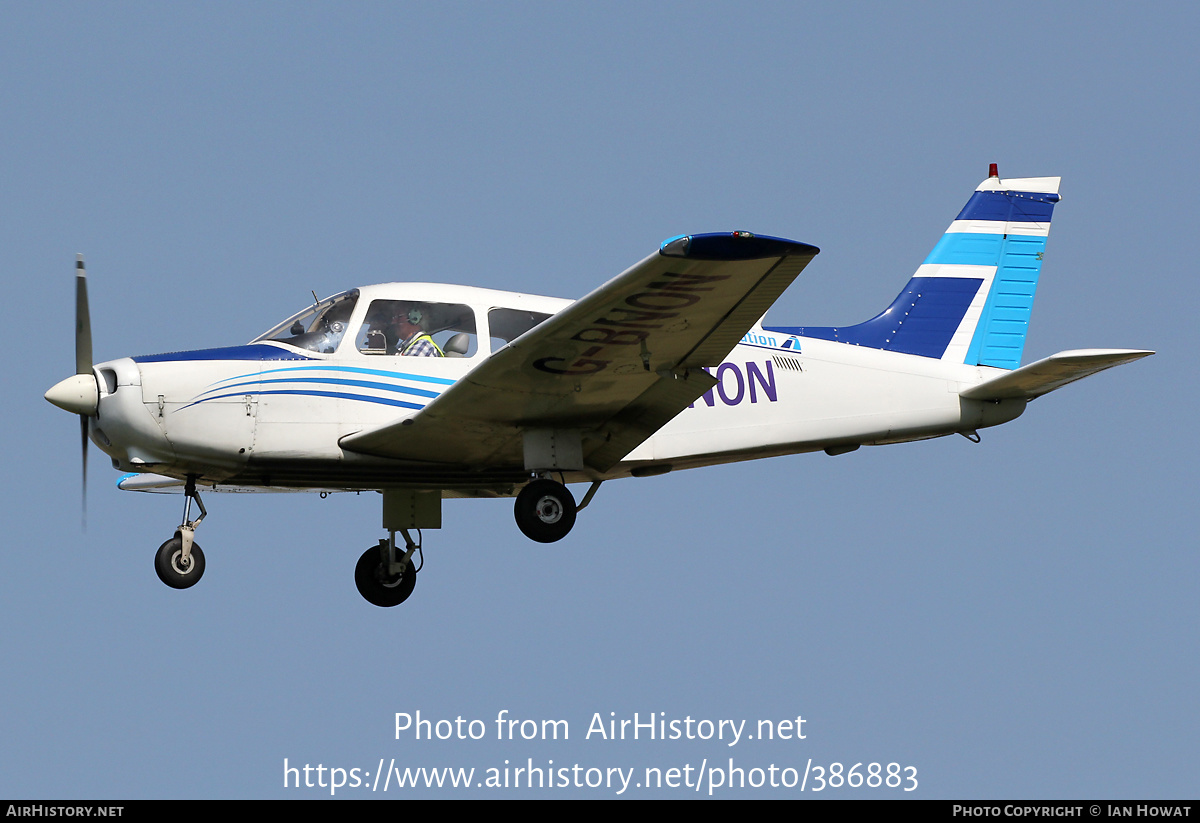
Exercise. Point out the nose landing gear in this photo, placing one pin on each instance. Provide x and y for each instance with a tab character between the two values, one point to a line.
179	562
174	569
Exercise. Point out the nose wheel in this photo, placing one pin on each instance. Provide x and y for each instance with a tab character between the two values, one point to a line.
545	511
174	569
179	562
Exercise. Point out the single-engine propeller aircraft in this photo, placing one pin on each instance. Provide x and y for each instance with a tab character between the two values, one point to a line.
424	392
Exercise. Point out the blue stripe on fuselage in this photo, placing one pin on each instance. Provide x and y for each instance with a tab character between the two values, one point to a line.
385	401
361	384
441	381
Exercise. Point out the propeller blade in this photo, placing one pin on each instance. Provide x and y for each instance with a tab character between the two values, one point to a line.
83	443
83	321
83	365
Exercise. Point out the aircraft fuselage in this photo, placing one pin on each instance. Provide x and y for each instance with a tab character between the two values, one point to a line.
271	414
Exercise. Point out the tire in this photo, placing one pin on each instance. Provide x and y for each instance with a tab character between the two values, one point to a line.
376	587
545	511
167	563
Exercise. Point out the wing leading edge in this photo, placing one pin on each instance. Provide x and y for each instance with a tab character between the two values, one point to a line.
615	365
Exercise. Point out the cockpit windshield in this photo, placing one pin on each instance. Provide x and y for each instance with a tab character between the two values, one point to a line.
318	328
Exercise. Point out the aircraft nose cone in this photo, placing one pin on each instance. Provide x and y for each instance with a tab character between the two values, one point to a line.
78	394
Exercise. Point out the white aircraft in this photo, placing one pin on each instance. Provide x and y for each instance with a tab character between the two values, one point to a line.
667	366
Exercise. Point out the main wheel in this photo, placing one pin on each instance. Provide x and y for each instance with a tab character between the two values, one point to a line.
171	568
545	511
377	586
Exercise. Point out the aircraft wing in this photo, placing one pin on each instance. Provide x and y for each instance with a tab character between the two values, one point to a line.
615	365
1051	373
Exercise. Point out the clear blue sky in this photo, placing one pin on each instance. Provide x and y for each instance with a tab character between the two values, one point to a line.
1014	619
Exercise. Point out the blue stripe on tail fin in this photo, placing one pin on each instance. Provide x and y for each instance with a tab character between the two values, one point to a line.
970	301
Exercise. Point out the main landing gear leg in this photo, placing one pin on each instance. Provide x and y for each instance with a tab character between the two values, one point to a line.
180	562
544	509
385	575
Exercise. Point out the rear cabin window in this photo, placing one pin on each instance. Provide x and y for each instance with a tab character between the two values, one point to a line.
506	325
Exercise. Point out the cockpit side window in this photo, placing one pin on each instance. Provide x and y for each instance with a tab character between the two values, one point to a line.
506	325
417	328
319	328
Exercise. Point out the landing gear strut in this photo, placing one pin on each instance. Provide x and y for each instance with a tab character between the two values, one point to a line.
180	562
545	511
384	575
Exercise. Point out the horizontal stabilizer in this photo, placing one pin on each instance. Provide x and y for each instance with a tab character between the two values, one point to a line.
1053	372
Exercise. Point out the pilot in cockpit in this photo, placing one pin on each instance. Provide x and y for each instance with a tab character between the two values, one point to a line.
399	328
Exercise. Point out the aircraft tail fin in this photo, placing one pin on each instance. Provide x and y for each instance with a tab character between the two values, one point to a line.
970	301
